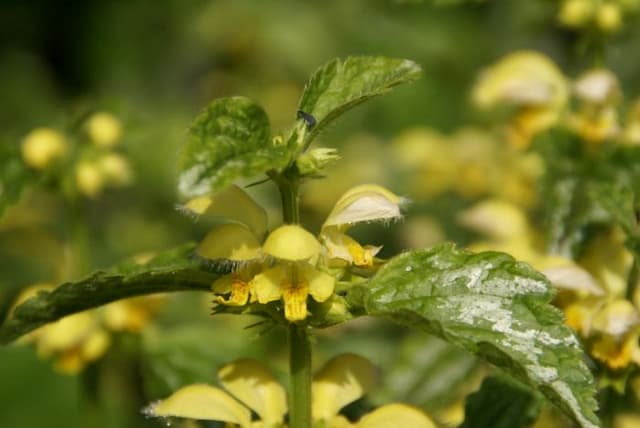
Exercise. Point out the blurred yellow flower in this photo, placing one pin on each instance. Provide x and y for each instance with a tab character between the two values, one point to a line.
617	330
82	338
532	84
576	13
115	169
89	178
341	381
609	17
104	129
42	147
597	118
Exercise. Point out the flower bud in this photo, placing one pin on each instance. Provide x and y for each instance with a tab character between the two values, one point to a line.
609	17
576	13
42	147
89	178
316	160
115	169
104	130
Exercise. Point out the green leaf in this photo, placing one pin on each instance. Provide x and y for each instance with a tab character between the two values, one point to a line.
494	307
174	270
583	189
342	84
229	140
178	356
501	403
427	372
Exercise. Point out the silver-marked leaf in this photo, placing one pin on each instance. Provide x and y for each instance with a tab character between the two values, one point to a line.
174	270
229	140
342	84
494	307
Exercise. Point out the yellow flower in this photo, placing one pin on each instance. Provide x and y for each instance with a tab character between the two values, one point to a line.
285	267
617	328
294	277
104	129
79	339
597	119
576	13
131	314
248	381
346	378
609	17
42	147
235	243
89	178
343	380
115	169
365	203
72	342
532	84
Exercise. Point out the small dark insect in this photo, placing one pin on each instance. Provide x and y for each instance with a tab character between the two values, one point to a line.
309	119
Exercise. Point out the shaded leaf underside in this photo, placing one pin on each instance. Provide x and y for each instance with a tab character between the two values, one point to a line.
494	307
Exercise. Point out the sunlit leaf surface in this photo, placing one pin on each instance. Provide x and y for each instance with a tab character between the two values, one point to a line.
342	84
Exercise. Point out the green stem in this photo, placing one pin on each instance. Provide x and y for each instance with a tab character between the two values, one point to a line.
90	392
288	187
299	345
300	377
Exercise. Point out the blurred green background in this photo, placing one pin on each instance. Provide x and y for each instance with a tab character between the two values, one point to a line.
154	65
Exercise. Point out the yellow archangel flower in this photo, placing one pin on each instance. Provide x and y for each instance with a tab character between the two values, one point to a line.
343	380
285	266
617	330
79	339
42	147
599	93
365	203
532	84
72	342
294	277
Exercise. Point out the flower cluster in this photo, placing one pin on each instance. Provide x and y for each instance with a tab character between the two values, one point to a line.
252	387
605	16
90	154
539	98
291	264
